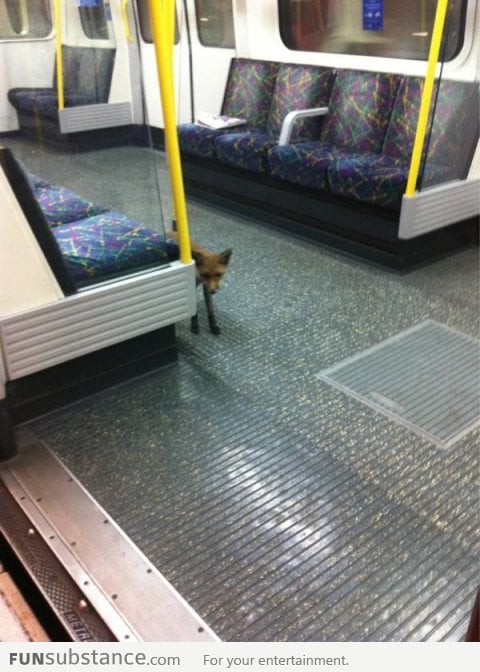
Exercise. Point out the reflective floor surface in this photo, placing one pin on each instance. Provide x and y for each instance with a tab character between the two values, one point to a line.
278	506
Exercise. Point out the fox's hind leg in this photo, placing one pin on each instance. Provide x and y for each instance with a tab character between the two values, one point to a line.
214	328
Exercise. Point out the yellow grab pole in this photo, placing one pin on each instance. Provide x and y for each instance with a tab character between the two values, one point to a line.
126	21
58	54
162	14
426	96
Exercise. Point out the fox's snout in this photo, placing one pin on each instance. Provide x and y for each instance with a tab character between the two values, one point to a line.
211	284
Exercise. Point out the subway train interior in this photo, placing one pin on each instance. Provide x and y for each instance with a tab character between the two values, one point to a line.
300	461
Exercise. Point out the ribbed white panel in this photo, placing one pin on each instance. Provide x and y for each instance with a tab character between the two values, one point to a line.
438	207
97	318
90	117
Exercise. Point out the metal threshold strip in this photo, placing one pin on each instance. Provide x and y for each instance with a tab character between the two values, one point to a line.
131	596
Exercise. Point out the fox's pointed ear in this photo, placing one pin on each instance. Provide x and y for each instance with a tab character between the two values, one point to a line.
224	257
197	257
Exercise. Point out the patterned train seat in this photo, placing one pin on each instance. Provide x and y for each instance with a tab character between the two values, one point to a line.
109	244
60	205
247	95
87	74
381	180
96	243
358	117
297	87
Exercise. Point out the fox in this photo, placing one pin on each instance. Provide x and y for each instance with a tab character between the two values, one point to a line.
210	269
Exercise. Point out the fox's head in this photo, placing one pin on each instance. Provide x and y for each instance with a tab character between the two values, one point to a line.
211	268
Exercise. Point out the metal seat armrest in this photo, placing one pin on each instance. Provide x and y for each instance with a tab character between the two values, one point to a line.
291	118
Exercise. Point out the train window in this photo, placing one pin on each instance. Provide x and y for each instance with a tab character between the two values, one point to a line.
397	30
28	19
215	23
94	19
144	20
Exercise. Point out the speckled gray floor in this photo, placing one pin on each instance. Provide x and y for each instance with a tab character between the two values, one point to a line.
278	506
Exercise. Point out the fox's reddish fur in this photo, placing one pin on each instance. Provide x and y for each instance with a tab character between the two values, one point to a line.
210	268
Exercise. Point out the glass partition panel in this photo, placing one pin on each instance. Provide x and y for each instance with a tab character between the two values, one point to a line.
453	127
453	133
98	181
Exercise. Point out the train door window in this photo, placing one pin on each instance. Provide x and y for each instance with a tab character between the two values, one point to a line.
144	21
215	23
93	18
397	30
25	19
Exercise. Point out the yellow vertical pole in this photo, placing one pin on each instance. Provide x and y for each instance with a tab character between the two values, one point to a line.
58	54
126	22
426	96
162	14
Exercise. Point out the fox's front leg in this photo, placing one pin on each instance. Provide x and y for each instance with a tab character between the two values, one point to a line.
214	328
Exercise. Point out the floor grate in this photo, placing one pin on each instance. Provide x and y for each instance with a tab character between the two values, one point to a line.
426	378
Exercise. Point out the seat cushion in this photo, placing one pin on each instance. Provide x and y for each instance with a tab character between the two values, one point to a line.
379	180
296	87
44	102
60	205
304	163
245	150
108	244
376	179
199	141
22	98
248	95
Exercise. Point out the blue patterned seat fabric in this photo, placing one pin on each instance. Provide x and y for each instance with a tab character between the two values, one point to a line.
60	205
45	103
355	127
87	74
97	243
455	132
297	87
381	179
247	95
110	244
361	150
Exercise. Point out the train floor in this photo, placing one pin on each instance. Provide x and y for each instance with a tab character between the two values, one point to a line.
281	507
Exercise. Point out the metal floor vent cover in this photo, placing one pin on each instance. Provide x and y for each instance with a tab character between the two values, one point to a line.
426	378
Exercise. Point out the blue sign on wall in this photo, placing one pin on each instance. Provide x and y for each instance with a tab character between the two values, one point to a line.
372	14
88	3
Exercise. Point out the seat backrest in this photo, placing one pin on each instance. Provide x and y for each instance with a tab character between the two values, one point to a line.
455	128
299	87
403	121
454	132
87	71
249	89
359	110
